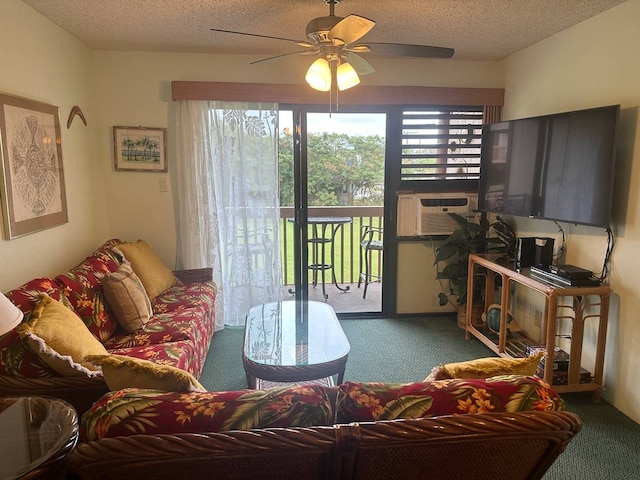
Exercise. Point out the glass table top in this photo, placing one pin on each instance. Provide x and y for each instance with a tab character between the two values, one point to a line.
34	430
291	333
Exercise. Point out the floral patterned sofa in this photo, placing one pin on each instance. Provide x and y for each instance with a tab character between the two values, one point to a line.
177	333
503	427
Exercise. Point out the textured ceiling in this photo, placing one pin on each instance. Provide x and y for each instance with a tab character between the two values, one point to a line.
476	29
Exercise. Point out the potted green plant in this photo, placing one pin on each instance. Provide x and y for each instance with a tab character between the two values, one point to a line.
470	237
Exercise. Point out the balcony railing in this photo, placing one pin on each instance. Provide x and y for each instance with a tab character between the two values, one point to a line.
346	259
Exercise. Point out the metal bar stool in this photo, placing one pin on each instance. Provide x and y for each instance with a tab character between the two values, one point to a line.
370	240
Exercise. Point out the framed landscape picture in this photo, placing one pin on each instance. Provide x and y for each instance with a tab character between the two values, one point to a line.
32	189
140	149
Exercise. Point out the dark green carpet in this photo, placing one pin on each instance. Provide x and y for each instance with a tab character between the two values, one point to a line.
405	350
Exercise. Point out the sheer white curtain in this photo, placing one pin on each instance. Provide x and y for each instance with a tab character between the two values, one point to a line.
228	209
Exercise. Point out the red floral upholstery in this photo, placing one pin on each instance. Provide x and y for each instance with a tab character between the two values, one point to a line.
186	296
132	411
362	402
27	296
175	354
179	333
15	357
160	329
18	360
180	340
83	288
180	313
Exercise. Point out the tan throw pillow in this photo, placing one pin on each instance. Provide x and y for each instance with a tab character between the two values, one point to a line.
61	338
153	274
487	367
127	298
128	372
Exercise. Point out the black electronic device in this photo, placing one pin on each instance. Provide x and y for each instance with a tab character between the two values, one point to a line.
525	251
570	271
557	167
534	251
545	275
543	252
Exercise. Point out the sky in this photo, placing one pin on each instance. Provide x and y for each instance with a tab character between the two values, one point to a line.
350	123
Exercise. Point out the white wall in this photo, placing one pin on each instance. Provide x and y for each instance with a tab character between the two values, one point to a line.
417	288
41	62
595	63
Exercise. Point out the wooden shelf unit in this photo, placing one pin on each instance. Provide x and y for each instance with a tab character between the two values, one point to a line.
582	301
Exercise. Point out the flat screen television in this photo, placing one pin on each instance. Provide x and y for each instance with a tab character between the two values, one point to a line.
557	167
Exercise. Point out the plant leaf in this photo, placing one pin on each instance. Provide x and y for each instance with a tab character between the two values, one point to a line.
119	410
409	406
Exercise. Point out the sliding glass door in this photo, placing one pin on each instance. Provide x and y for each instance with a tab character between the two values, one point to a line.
332	176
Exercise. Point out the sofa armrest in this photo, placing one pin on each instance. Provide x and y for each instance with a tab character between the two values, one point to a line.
79	391
195	275
297	453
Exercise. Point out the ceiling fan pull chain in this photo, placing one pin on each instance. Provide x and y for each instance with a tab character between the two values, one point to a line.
330	99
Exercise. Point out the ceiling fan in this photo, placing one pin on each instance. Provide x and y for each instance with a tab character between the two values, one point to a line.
333	39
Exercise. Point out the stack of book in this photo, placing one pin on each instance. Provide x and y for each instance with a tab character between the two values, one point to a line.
560	366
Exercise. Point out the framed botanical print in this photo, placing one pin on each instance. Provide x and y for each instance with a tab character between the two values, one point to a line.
32	190
140	149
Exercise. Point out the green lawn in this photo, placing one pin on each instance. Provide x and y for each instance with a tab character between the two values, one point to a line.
347	250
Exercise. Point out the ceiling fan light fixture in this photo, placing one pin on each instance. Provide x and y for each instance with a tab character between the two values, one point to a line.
346	76
319	75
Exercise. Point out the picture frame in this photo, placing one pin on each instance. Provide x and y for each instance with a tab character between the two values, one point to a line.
32	192
140	149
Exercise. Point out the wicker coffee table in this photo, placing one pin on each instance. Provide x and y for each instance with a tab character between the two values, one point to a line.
293	342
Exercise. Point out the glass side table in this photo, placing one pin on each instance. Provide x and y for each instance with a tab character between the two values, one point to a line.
37	434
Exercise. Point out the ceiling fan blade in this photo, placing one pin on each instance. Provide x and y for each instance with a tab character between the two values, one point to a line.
302	43
407	50
359	48
359	64
301	52
351	28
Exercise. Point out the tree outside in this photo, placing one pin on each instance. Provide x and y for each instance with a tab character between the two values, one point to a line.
342	169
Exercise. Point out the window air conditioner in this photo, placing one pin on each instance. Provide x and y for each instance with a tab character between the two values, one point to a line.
426	214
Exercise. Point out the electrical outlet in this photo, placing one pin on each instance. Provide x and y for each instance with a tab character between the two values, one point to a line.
537	320
164	184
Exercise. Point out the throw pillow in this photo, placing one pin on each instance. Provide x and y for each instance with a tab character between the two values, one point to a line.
60	338
153	274
127	372
487	367
127	298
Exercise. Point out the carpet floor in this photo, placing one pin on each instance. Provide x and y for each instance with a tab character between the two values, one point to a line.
405	350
